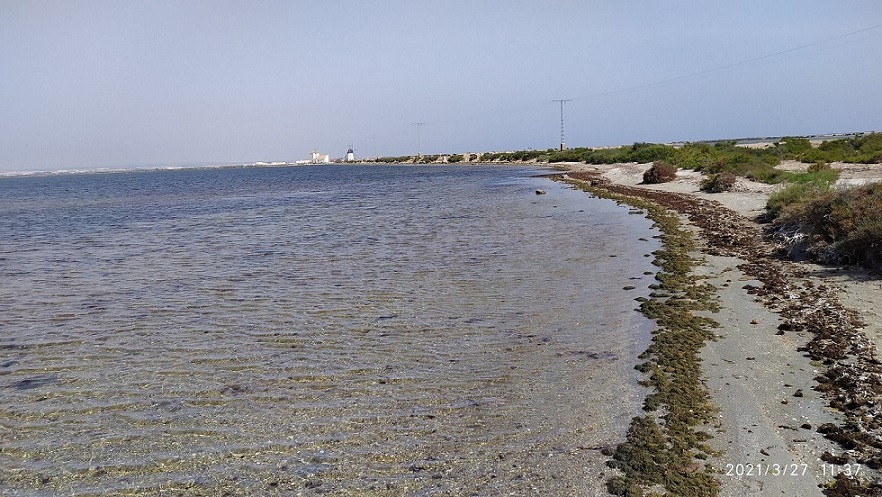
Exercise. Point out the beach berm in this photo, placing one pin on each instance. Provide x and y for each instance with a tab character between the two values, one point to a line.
784	379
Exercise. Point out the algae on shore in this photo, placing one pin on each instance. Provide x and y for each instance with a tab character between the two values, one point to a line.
851	382
665	447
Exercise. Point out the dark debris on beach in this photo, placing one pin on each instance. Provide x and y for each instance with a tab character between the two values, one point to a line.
852	377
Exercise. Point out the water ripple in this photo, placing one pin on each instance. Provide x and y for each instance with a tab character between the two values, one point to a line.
349	331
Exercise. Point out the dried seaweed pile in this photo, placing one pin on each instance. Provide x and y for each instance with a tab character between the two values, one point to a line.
666	447
852	380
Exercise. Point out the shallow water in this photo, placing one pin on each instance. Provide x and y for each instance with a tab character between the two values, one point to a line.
349	330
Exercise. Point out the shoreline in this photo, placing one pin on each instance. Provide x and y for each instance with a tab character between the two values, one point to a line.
790	370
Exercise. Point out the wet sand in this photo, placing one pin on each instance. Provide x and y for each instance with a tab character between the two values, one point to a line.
794	366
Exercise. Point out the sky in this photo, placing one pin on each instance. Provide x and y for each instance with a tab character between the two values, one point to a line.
109	84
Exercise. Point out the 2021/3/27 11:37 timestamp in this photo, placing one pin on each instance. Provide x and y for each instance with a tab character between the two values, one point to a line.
790	469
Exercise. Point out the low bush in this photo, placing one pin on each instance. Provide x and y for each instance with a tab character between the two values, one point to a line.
660	172
793	147
862	148
717	183
765	174
519	155
396	160
696	156
607	156
850	221
819	172
790	201
649	152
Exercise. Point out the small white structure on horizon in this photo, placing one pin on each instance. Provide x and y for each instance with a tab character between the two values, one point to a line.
318	158
350	155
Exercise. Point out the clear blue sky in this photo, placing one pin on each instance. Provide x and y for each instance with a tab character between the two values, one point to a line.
89	84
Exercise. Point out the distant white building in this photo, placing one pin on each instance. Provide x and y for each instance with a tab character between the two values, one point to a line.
318	158
350	155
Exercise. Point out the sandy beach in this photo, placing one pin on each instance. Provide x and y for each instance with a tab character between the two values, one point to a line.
793	369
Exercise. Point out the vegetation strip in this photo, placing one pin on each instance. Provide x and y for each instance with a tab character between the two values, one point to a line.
852	381
711	158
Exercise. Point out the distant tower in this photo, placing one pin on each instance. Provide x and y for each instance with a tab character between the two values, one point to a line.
350	154
563	145
419	142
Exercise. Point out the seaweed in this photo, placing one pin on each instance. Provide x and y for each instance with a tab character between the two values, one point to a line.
852	381
666	447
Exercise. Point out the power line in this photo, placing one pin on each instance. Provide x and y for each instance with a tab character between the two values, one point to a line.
513	109
727	66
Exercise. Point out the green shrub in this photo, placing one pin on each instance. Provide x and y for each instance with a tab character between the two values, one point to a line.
660	172
756	164
851	221
396	160
516	156
866	148
815	155
819	173
715	164
692	156
725	146
837	148
764	174
649	152
789	201
565	156
455	158
792	147
717	183
607	156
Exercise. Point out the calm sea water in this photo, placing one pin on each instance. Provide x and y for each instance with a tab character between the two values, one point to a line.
353	330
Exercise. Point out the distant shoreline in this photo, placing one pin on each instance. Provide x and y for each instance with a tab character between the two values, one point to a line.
406	159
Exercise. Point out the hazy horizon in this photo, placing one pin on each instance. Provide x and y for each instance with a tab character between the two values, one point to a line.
101	84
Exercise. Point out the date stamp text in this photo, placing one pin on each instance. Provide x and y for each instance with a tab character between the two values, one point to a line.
789	469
